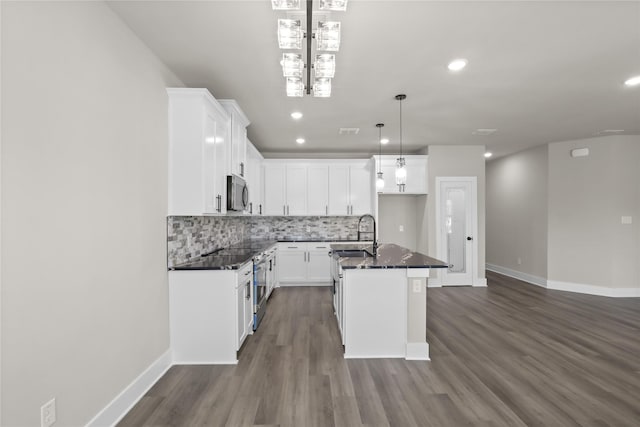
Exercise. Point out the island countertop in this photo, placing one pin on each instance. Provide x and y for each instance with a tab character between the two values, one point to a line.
389	256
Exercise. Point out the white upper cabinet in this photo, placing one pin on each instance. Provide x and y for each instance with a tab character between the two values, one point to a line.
238	151
199	130
417	177
317	189
310	187
351	188
254	179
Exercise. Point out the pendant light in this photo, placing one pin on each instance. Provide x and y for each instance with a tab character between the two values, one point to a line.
380	180
401	170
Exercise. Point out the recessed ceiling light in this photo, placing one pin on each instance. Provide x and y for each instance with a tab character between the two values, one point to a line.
633	81
457	64
488	154
296	115
300	140
384	141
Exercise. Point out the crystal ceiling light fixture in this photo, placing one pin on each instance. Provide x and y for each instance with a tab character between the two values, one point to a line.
401	170
285	4
325	65
292	65
289	34
380	179
335	5
327	36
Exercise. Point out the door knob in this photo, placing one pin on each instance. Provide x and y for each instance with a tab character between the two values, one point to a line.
469	238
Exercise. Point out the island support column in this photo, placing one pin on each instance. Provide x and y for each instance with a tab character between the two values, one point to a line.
417	346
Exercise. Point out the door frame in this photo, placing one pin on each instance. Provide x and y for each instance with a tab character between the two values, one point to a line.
440	245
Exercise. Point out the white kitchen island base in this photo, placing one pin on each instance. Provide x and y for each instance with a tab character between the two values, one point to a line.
384	313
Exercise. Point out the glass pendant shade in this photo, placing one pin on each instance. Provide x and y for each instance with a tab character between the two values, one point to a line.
328	36
289	34
322	87
401	172
286	4
380	181
325	65
336	5
292	65
295	87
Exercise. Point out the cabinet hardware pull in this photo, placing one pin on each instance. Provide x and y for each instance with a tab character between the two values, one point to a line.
284	210
287	209
260	207
241	169
251	207
326	209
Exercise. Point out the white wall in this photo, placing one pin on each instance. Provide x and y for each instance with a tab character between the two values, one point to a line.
459	160
399	210
517	212
84	199
588	245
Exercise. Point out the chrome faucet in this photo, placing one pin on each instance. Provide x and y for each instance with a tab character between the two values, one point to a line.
375	238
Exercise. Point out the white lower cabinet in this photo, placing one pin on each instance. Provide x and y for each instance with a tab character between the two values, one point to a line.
209	314
302	263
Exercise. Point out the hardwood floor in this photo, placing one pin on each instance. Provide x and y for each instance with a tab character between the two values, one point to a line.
511	354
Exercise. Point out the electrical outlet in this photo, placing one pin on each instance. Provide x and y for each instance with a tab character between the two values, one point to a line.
416	286
401	228
519	261
48	413
308	229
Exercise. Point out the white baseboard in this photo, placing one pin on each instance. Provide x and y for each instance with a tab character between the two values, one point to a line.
557	285
594	290
529	278
417	351
122	404
480	282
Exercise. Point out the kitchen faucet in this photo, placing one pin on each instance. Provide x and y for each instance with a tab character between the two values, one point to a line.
375	239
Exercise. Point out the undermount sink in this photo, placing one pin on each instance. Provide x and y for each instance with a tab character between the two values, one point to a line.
362	253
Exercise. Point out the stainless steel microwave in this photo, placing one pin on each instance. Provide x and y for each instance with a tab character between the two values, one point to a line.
237	193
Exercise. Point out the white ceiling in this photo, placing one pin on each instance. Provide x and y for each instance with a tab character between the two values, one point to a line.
538	72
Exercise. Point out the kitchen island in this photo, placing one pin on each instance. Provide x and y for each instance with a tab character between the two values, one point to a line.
381	301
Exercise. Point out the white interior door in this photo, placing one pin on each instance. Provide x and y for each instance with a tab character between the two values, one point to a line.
457	225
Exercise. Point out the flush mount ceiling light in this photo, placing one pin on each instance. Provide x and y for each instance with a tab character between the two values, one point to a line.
384	141
327	36
337	5
296	115
380	179
633	81
300	140
285	4
488	154
401	170
457	64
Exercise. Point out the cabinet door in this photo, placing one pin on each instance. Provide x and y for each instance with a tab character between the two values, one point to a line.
416	176
274	190
389	175
317	190
296	193
360	189
318	262
292	266
221	143
209	179
339	190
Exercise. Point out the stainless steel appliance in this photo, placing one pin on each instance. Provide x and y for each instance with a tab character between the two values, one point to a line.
237	193
260	267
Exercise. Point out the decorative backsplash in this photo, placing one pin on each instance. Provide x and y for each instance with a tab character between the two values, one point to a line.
188	237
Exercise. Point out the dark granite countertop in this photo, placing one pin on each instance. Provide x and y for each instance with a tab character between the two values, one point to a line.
389	256
229	258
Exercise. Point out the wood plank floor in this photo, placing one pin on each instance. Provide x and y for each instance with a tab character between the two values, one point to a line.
511	354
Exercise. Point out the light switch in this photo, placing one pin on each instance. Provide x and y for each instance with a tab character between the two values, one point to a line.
626	220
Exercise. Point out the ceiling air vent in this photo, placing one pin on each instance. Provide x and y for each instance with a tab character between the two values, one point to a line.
484	132
348	131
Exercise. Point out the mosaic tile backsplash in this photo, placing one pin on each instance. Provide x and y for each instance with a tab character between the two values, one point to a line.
190	236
